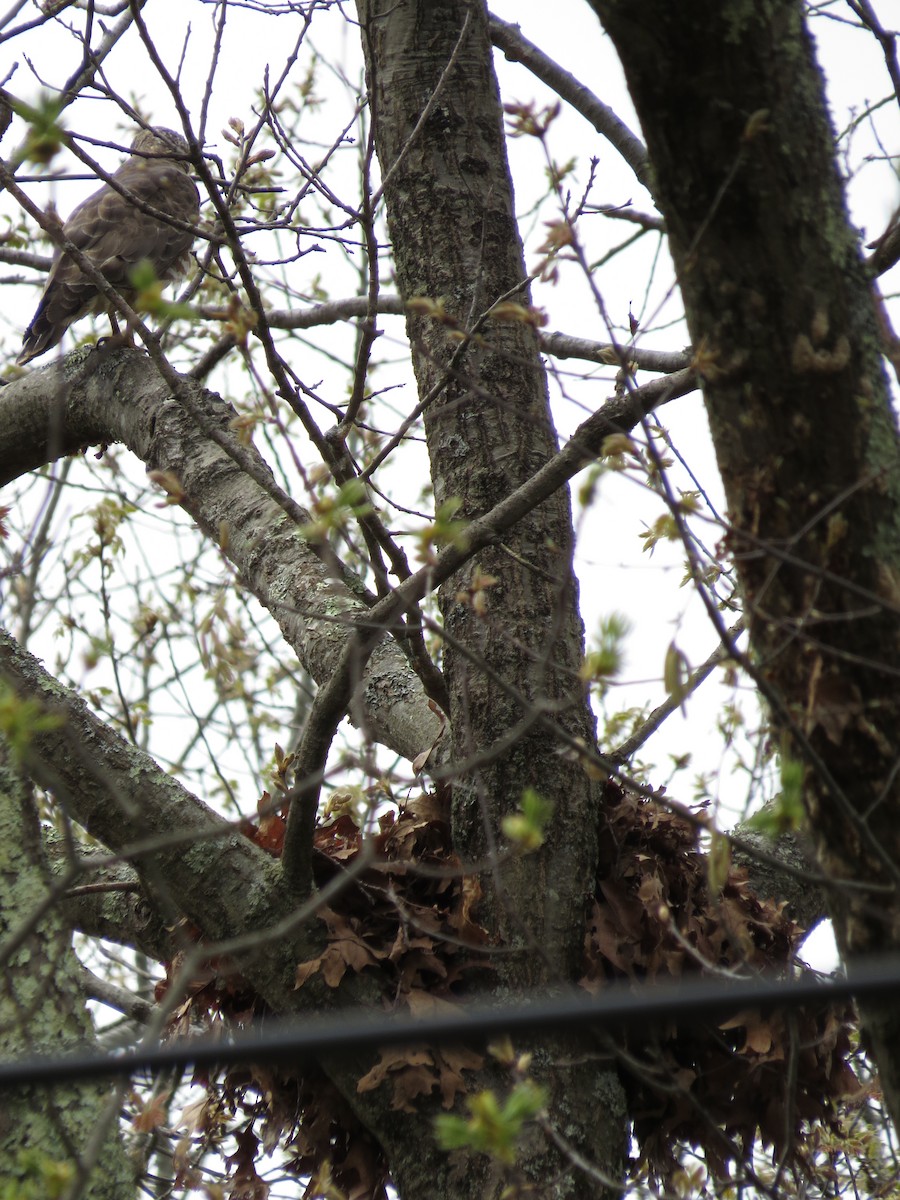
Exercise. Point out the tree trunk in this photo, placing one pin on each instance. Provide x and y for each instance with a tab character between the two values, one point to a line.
47	1138
779	308
518	643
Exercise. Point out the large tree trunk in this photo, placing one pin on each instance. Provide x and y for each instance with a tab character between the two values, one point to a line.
452	223
47	1138
778	304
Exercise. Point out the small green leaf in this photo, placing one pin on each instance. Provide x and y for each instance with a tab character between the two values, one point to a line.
45	137
21	720
525	829
142	275
606	659
785	812
334	511
676	674
664	528
492	1128
446	530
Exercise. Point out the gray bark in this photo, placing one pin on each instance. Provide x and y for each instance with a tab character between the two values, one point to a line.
65	1132
439	137
234	500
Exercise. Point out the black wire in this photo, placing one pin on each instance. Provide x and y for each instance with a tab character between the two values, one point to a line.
618	1006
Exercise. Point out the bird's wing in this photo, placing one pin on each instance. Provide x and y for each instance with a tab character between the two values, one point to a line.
116	236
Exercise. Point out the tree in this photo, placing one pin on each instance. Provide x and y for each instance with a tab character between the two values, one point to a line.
534	853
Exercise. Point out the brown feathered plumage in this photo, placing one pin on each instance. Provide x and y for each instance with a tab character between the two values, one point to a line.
116	236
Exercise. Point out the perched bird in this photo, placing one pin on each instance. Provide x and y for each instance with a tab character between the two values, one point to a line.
115	235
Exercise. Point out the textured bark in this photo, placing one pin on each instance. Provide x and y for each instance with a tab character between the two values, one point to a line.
194	862
452	223
43	1011
733	109
62	409
450	211
113	903
783	869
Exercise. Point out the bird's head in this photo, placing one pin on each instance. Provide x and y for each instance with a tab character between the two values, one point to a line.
159	142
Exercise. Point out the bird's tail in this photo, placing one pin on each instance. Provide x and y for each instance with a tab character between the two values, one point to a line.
39	336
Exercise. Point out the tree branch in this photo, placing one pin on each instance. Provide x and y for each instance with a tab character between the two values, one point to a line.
210	873
115	997
312	608
517	48
130	917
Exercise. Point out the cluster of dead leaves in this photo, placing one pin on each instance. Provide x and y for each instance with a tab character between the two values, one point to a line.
758	1077
408	927
654	913
411	921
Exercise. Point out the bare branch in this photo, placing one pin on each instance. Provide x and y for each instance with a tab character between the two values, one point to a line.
509	39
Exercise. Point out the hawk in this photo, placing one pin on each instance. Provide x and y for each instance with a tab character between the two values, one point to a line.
116	235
